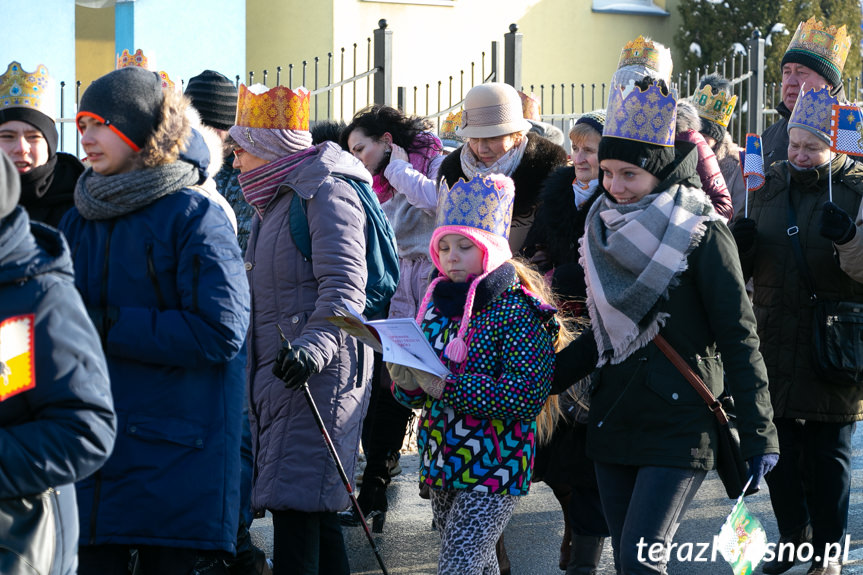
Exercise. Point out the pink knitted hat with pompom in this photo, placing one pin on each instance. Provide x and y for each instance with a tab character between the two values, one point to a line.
480	210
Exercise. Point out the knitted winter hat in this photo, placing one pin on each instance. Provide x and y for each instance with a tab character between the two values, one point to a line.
128	100
480	210
10	186
215	98
819	47
594	119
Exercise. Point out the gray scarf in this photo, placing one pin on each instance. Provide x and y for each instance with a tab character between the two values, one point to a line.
632	255
505	165
105	197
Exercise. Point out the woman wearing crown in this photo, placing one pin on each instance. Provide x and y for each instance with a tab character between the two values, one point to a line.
29	137
659	260
814	414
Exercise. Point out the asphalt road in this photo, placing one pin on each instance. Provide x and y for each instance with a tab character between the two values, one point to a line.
408	544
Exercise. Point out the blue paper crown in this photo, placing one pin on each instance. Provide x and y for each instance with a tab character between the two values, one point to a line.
812	112
484	203
644	116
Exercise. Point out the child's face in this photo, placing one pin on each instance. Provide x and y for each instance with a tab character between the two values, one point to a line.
107	152
459	257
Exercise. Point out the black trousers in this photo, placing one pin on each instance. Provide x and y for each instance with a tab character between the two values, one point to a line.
114	560
308	544
384	426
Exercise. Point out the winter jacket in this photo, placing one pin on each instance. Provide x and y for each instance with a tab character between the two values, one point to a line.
47	191
642	410
559	223
712	180
411	211
293	470
774	140
172	275
61	430
229	187
540	158
781	300
480	435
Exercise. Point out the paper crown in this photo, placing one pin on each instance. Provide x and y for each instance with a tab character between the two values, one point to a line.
278	108
138	59
484	203
449	125
649	54
827	43
812	112
714	107
644	116
20	89
530	108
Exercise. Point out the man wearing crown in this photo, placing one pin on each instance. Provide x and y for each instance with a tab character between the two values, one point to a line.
814	57
293	295
29	137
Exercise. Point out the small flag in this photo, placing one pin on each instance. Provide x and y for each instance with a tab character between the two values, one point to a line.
17	356
753	163
742	540
846	130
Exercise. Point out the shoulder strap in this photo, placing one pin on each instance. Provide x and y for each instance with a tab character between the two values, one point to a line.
692	377
794	234
299	222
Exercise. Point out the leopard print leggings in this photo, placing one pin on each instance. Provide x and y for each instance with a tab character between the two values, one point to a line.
470	524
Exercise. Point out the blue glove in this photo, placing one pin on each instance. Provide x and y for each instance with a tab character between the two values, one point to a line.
759	466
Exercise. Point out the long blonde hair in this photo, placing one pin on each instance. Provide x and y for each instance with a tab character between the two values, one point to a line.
536	283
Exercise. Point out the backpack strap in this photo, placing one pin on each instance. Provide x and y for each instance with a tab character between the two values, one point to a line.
299	221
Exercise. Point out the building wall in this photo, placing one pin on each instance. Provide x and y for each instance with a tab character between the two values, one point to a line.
94	42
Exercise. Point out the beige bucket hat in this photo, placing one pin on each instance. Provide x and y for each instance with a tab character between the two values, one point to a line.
492	110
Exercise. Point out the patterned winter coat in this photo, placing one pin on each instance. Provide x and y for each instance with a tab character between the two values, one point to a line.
480	435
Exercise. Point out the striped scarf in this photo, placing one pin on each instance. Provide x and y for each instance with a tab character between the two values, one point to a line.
632	255
260	185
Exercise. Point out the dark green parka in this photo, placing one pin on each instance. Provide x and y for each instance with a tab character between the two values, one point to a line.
642	410
781	300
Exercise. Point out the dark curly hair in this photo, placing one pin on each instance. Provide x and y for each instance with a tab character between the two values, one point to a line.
378	119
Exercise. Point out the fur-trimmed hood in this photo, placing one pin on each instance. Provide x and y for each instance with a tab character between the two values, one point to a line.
687	117
165	143
727	149
540	158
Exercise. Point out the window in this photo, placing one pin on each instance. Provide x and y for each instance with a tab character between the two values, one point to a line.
629	7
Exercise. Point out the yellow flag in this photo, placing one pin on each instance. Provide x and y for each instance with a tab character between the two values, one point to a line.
17	355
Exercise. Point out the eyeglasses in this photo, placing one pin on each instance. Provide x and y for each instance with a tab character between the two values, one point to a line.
237	151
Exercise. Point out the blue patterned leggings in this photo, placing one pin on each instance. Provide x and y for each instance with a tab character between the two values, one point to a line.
470	524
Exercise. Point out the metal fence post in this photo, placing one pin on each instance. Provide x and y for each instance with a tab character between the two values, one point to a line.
755	124
494	74
384	63
401	99
512	42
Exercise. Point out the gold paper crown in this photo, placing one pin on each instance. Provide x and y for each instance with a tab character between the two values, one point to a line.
449	125
20	89
530	106
642	52
829	43
138	59
714	107
278	108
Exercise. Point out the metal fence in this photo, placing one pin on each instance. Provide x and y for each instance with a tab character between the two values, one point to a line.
344	83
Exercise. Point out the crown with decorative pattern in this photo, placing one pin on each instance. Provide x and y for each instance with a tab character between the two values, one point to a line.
530	107
20	89
714	107
138	59
483	203
647	53
278	108
812	112
828	46
448	134
644	116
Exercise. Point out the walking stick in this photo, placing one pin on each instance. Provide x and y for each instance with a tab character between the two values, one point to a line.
335	457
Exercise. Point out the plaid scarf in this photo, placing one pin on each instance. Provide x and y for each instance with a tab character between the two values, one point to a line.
632	255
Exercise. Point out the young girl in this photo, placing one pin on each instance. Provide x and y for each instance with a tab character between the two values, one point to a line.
479	426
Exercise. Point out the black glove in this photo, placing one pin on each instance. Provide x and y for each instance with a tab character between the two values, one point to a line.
294	366
104	319
836	225
744	234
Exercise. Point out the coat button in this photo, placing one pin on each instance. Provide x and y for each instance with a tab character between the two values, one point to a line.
674	396
133	429
248	266
295	319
